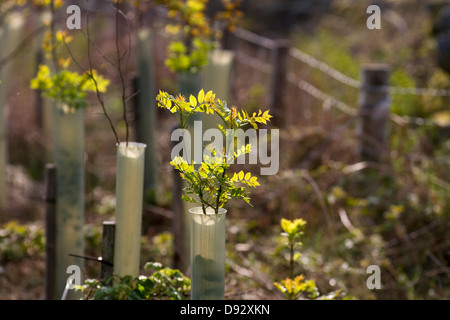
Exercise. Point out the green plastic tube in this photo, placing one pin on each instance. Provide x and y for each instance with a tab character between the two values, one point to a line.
68	142
10	36
187	83
217	77
217	73
3	156
129	198
207	242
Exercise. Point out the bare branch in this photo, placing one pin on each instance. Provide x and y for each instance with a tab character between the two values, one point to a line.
119	69
99	51
99	96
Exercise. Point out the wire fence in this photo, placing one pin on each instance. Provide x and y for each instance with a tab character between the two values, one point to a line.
324	104
306	86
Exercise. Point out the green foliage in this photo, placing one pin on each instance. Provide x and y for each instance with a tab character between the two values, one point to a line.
294	288
67	87
293	230
62	85
19	241
193	27
181	59
437	107
163	283
209	180
191	53
404	104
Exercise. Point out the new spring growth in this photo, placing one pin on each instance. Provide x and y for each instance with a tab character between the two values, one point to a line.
208	182
231	135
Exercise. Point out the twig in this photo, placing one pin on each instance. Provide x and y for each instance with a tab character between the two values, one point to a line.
159	211
132	95
100	52
255	276
91	75
441	266
346	221
415	234
99	259
119	69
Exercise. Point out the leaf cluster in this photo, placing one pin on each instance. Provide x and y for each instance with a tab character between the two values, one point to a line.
211	185
190	53
191	24
293	229
67	87
163	284
293	287
208	182
18	241
207	103
296	287
181	59
230	14
63	85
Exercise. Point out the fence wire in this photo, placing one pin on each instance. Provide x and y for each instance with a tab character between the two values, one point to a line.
339	76
328	70
319	95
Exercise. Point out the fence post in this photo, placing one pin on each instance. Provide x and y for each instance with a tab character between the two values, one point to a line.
179	223
278	79
50	231
109	228
228	40
374	112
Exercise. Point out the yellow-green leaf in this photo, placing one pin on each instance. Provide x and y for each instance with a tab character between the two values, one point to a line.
193	101
208	95
201	96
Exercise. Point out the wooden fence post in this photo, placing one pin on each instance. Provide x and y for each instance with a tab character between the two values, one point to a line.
228	40
278	79
180	241
109	228
50	231
374	112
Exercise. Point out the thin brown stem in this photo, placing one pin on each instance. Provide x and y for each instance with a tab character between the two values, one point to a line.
291	259
91	75
100	52
122	78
